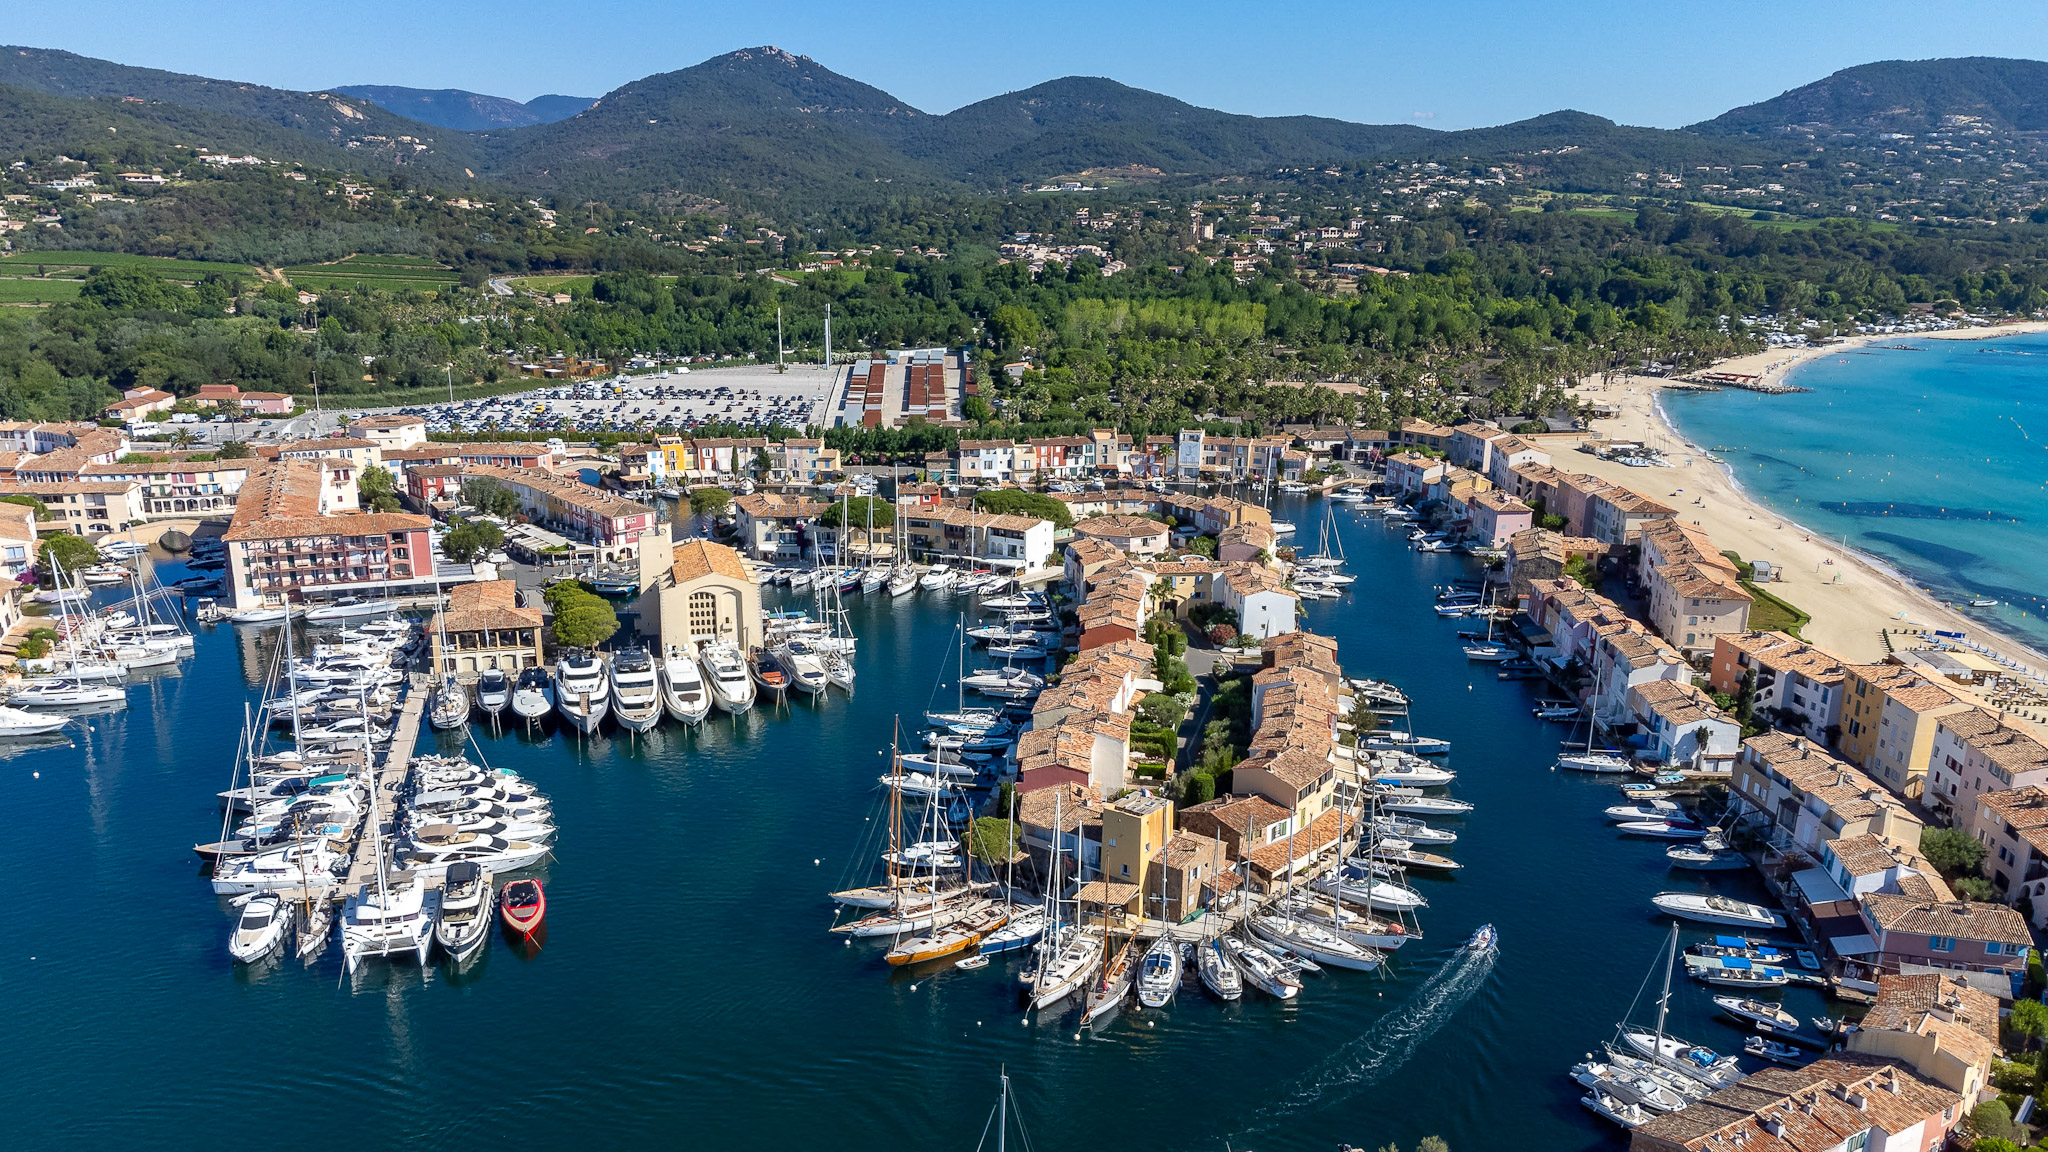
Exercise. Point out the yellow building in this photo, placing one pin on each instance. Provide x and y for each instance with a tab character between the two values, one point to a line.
1889	715
704	593
1134	830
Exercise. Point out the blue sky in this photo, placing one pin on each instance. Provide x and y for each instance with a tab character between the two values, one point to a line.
1441	63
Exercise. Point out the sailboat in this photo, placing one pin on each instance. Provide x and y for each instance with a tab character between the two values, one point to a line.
386	917
1600	763
1025	925
1068	955
448	707
66	690
1690	1060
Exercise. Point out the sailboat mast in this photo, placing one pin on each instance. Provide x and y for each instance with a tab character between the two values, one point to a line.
1664	1001
895	814
1003	1113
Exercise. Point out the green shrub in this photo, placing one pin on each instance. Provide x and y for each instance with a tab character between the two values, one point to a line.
1951	849
1992	1120
1197	788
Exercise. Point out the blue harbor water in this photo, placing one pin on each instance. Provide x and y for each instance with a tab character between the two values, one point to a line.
689	995
1931	454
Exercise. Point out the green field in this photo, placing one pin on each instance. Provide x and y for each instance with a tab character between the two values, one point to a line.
76	265
552	283
37	291
389	273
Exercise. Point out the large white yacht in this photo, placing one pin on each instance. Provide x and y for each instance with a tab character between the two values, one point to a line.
582	692
725	668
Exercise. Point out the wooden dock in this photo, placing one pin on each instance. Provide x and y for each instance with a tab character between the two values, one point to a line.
390	777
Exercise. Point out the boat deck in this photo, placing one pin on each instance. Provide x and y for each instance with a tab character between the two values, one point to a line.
390	777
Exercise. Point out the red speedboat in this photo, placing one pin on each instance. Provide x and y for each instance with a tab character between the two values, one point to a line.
521	905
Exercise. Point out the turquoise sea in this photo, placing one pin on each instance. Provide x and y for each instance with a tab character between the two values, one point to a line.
1929	454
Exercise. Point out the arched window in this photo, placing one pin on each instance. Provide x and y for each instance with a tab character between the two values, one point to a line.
703	613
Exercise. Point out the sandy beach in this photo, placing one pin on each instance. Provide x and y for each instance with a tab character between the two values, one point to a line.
1853	597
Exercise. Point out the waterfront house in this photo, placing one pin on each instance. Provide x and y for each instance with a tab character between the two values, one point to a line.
1243	823
2013	827
1799	796
1134	832
1915	934
296	535
1495	517
771	526
703	594
1085	558
1066	817
616	528
484	629
1976	752
1889	714
1253	591
1686	729
436	486
1694	593
1411	473
17	540
178	486
1619	515
1509	455
1194	870
1422	433
1940	1025
1471	444
90	508
1299	780
1246	544
1004	542
1798	682
1135	535
1846	1102
1540	555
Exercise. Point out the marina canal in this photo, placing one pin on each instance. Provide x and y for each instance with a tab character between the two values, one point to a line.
688	992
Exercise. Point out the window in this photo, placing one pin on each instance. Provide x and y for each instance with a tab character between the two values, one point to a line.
1941	943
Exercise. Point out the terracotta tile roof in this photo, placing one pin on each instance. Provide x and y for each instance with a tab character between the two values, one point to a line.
2025	810
1078	803
1903	999
387	420
325	444
1986	733
487	605
1809	1109
1695	580
1248	816
1114	527
695	558
1864	855
1814	770
1780	652
567	489
1678	703
1964	919
282	500
1298	767
1274	859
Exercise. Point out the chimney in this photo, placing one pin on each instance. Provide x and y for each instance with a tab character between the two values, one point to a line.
1775	1126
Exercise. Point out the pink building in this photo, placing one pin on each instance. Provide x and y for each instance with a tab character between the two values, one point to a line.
1497	516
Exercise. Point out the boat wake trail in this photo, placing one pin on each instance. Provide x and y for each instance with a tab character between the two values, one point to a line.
1381	1049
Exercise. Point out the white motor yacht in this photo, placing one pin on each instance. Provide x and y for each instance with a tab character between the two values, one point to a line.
806	670
396	919
467	902
683	691
493	692
582	692
259	930
725	670
15	722
533	697
347	608
309	866
938	579
1708	909
636	690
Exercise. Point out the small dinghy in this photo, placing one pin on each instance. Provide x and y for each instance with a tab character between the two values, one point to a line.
523	905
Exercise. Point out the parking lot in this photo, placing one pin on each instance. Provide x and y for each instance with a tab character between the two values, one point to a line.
752	396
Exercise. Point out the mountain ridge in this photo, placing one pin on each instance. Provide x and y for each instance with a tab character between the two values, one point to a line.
465	111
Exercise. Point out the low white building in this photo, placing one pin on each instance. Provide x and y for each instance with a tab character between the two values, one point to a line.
1264	608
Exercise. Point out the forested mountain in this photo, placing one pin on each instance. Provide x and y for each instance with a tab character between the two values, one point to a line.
755	123
1902	96
150	93
466	111
1082	122
767	131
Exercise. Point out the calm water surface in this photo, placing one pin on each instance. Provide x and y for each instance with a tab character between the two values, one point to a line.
688	993
1931	454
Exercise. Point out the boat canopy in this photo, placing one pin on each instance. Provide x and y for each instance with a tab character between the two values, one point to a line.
1731	942
1741	962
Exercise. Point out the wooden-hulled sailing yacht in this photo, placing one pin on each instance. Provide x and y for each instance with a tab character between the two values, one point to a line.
907	907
